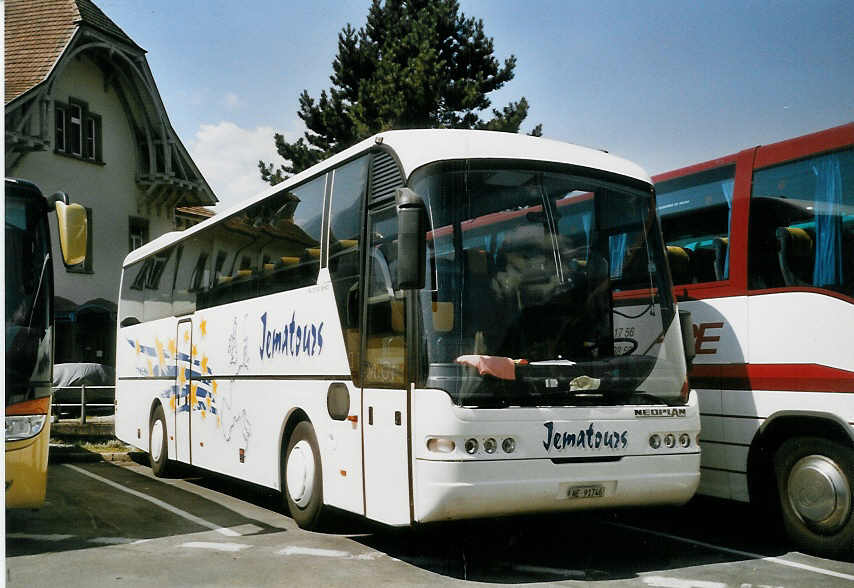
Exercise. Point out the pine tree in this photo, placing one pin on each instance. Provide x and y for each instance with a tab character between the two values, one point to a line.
415	64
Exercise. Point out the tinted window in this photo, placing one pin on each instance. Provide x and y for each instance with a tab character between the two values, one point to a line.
385	344
802	224
695	214
346	209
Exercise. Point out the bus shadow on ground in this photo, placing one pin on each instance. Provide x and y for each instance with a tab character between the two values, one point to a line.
599	546
81	512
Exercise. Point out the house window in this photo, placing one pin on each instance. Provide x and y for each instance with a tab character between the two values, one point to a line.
75	126
77	131
87	265
138	232
93	136
60	129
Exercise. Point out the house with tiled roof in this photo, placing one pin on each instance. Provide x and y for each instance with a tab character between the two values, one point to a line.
83	115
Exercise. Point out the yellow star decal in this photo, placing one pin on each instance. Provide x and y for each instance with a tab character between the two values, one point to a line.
204	364
203	327
138	349
172	346
195	351
172	402
214	386
150	367
182	376
186	336
193	388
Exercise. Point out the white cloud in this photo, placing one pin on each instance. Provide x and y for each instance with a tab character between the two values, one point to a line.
227	155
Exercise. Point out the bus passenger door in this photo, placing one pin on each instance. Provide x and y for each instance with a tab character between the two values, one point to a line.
183	382
385	397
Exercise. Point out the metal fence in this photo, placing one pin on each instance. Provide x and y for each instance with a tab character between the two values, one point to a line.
83	405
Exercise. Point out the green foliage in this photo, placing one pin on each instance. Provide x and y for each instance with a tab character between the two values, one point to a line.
415	64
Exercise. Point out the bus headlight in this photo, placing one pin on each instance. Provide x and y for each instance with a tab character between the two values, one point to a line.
670	440
24	427
684	439
490	445
655	441
471	446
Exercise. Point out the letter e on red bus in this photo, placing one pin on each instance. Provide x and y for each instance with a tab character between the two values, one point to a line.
700	337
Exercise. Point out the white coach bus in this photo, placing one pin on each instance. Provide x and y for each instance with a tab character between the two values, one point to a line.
430	325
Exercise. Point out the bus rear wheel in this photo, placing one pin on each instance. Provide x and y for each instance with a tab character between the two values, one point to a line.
302	479
157	443
815	482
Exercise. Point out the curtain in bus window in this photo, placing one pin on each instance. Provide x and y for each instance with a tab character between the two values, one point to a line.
828	221
727	189
617	248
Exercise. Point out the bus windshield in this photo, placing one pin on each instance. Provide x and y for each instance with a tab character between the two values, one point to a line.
28	293
545	288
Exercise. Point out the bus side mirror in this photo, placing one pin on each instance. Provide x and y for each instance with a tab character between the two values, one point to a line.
412	239
688	342
71	219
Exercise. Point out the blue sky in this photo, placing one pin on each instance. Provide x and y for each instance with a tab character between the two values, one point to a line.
664	83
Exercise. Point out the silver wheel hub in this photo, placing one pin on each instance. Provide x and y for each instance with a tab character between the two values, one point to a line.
300	473
157	439
819	492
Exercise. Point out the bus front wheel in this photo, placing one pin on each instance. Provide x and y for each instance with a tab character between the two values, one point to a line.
815	480
157	443
302	481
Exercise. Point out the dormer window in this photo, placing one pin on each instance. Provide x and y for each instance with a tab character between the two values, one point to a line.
78	131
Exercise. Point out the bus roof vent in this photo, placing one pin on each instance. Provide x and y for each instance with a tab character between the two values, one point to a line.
385	177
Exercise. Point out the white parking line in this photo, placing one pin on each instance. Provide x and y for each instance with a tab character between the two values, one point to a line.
777	560
232	547
36	537
115	540
164	505
314	551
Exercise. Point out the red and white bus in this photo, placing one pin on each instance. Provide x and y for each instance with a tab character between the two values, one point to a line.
761	250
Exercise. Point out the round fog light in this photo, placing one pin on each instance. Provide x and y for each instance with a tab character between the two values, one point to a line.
508	445
670	440
489	445
655	441
471	446
684	439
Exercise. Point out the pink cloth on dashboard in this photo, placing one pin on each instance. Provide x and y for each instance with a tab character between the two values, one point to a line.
500	367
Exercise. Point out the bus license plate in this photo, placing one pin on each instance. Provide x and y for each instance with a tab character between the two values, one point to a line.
597	491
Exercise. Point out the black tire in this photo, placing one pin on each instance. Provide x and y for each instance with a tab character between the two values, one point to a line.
302	479
815	481
158	454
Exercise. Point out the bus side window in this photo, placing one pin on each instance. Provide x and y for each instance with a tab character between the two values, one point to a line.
345	228
157	289
132	295
291	229
802	224
190	274
696	214
385	345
